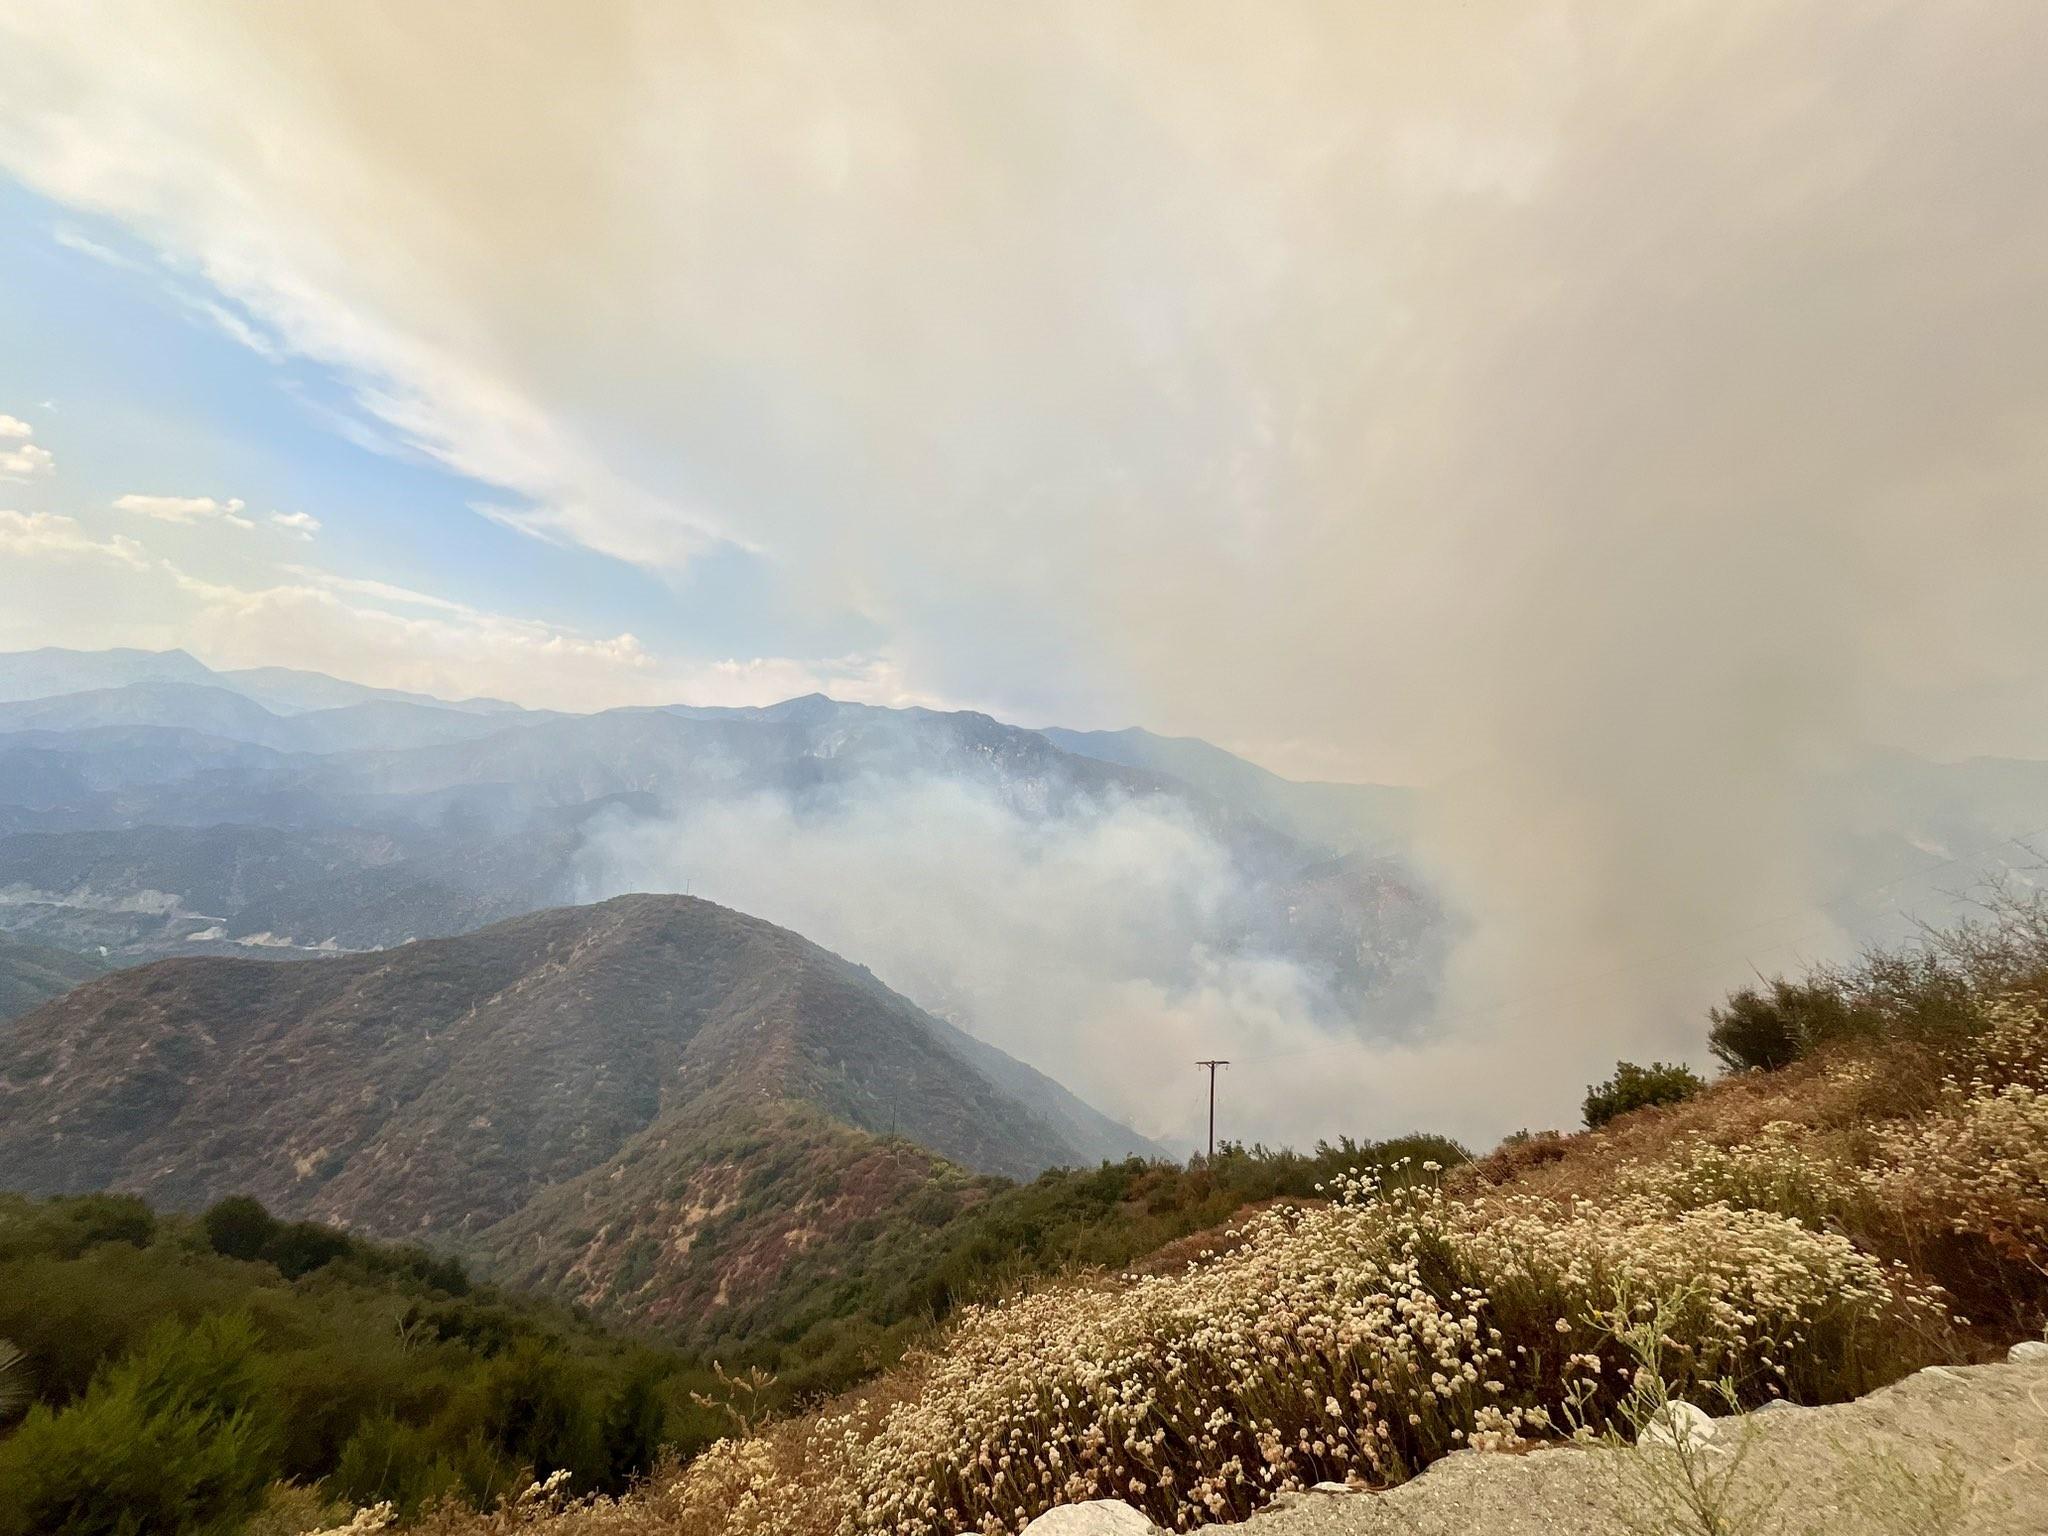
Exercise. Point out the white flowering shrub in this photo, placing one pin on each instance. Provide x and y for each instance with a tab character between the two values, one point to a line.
1779	1170
1361	1339
1978	1165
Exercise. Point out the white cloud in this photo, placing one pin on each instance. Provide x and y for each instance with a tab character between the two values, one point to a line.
304	524
187	510
60	584
198	305
33	535
14	426
27	462
238	329
381	591
75	240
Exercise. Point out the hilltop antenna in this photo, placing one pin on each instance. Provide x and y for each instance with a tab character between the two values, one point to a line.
1212	1066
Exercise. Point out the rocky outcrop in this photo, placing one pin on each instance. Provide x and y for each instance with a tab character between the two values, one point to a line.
1962	1450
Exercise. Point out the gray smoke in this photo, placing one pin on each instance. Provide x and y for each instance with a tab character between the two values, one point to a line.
1097	944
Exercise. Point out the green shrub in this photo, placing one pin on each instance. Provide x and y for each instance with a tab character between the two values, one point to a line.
386	1461
391	1373
178	1438
111	1219
1929	994
70	1224
1634	1087
1774	1026
635	1426
303	1247
534	1408
239	1228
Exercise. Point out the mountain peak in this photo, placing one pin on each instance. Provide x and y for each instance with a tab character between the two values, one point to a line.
54	669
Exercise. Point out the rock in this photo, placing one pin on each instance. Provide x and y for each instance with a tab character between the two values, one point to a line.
2030	1352
1778	1405
1677	1422
1333	1488
1940	1373
1832	1462
1097	1517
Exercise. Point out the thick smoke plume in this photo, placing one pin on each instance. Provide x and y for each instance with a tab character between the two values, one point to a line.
1100	944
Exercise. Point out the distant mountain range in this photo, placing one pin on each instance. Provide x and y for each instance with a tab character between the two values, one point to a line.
54	670
655	1103
1346	818
150	805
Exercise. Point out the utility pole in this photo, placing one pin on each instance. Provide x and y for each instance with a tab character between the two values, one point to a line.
1212	1066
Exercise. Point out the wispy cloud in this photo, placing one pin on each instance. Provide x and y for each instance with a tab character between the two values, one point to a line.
540	523
239	329
14	426
304	524
35	535
62	584
76	240
381	591
233	324
187	510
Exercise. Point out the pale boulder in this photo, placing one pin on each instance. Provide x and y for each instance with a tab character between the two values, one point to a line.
1097	1517
1678	1423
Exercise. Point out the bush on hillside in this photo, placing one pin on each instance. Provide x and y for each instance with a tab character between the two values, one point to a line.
823	1328
1634	1087
391	1375
179	1437
1930	994
1364	1338
1773	1026
239	1228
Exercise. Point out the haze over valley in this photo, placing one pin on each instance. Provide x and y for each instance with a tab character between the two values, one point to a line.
1092	903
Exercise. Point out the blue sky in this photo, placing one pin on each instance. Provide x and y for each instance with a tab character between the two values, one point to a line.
141	377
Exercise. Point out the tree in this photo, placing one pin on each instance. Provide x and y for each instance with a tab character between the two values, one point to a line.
1634	1087
533	1409
239	1228
302	1247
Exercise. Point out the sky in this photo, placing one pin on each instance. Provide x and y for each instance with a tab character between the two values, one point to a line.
1257	372
1611	417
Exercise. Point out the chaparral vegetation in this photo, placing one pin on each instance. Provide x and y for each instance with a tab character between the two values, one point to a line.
1875	1201
1865	1192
